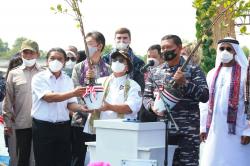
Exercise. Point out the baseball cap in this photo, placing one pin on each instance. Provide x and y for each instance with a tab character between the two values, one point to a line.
30	45
125	56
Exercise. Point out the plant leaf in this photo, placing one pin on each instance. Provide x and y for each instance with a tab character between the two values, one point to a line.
52	8
243	29
59	7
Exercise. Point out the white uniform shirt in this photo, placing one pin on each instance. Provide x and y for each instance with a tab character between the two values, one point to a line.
46	82
116	96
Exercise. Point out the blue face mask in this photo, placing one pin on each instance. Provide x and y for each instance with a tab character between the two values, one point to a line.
92	50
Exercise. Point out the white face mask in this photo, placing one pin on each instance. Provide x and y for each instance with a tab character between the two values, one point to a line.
29	63
226	56
92	51
121	46
55	66
70	64
156	62
117	67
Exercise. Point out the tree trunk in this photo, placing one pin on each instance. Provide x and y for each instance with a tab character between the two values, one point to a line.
220	31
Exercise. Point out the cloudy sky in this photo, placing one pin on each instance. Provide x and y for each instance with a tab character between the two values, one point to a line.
148	21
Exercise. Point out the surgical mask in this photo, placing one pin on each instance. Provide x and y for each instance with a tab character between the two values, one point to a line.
169	55
70	64
156	62
92	51
55	66
29	63
226	56
117	67
121	46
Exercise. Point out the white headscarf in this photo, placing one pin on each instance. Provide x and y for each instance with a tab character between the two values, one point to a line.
240	56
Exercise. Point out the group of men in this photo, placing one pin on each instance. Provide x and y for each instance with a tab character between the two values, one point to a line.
47	107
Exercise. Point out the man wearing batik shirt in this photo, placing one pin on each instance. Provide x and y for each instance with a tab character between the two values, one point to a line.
193	88
224	126
81	73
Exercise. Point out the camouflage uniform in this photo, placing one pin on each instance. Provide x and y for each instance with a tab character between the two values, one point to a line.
185	113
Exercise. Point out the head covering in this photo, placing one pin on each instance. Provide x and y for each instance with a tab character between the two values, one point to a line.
125	56
29	45
70	54
239	57
238	76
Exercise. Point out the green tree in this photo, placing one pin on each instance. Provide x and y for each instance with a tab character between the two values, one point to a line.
3	48
43	54
16	46
206	11
107	49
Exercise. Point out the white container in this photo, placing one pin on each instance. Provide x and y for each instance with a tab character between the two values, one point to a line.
159	105
93	96
167	98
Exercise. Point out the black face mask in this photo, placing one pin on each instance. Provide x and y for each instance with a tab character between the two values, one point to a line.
169	55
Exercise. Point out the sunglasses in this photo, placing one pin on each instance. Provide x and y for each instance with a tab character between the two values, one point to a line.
121	60
229	49
73	59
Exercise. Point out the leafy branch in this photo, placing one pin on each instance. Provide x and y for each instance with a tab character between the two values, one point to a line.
73	9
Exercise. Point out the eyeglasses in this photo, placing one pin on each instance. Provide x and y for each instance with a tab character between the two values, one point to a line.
71	58
229	49
121	60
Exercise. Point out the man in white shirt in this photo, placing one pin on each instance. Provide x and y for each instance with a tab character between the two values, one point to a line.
223	123
53	96
122	95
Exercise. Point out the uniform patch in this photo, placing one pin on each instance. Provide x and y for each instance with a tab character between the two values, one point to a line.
121	87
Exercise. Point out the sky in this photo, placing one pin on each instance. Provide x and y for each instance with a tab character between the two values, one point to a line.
148	21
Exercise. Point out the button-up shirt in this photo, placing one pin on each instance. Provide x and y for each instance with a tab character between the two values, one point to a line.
116	96
43	83
18	101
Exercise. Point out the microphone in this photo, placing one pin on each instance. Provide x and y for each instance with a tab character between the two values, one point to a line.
144	68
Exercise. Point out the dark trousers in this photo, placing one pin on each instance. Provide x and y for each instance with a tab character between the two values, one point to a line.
77	145
51	143
23	146
87	138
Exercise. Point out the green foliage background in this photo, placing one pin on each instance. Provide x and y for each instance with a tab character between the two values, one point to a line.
6	52
205	12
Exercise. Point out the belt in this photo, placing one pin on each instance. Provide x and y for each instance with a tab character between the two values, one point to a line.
51	123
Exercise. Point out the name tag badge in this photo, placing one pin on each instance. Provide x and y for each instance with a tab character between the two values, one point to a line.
121	87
